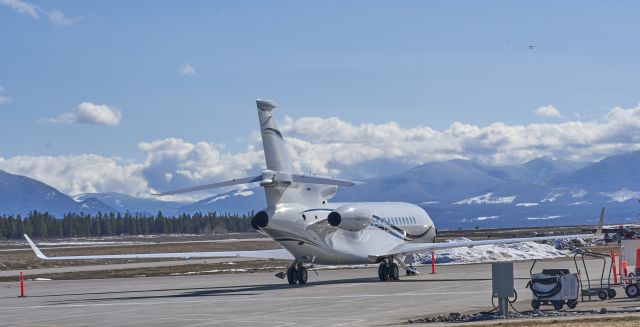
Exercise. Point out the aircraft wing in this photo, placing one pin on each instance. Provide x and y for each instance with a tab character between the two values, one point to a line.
416	248
259	254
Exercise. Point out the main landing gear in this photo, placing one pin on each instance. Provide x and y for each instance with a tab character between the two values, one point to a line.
388	270
297	273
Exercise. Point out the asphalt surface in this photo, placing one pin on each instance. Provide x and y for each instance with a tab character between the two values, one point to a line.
344	297
121	266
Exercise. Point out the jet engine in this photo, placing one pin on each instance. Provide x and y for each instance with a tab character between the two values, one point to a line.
350	217
260	220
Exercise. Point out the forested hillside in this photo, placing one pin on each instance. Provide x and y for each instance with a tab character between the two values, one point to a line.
38	224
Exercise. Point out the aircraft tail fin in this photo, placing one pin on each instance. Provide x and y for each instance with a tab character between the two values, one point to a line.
276	154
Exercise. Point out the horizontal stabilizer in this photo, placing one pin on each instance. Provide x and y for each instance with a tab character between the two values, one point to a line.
278	176
321	180
232	182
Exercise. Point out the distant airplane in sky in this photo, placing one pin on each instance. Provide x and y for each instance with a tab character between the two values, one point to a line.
313	230
531	46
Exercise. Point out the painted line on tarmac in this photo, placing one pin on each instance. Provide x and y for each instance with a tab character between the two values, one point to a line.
333	297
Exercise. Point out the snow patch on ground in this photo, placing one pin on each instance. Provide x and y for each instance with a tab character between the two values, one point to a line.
243	193
622	195
208	272
486	218
578	193
495	253
218	198
543	218
88	243
578	203
552	197
51	195
488	198
527	204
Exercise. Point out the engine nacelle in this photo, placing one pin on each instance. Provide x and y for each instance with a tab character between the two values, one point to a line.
350	217
260	220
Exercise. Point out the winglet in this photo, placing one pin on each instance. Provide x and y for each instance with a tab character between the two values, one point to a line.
35	249
600	222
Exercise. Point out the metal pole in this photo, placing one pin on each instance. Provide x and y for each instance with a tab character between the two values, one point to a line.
613	267
503	305
621	271
433	262
21	285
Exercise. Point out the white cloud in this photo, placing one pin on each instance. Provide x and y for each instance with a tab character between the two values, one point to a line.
187	70
170	164
329	146
173	163
321	143
90	113
55	16
547	111
3	98
74	174
21	7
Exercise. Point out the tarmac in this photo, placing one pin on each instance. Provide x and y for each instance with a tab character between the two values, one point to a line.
336	297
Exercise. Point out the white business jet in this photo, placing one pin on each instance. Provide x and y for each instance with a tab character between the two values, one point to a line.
314	231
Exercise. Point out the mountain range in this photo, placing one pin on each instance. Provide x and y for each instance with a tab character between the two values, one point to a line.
456	193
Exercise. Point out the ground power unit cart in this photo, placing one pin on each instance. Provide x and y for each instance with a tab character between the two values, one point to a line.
555	287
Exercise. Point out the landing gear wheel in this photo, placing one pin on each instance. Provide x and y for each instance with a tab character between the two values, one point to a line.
612	293
558	305
301	275
535	304
572	304
383	272
394	272
631	290
291	275
603	295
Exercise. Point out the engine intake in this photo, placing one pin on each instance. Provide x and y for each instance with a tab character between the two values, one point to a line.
349	217
260	220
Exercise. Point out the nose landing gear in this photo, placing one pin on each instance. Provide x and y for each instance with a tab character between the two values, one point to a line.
388	270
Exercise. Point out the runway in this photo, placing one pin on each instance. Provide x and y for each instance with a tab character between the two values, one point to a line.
345	297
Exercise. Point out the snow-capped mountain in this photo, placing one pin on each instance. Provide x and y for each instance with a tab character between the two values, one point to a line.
20	195
238	201
456	193
122	203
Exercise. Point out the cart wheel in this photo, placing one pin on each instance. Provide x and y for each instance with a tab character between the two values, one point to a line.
631	290
612	293
603	294
572	304
558	305
535	304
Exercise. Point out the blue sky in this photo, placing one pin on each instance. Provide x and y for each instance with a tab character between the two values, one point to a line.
422	64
